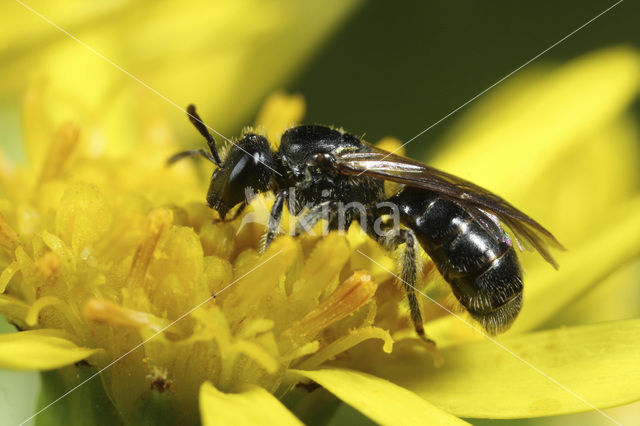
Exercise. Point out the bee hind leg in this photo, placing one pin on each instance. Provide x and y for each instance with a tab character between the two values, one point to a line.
410	264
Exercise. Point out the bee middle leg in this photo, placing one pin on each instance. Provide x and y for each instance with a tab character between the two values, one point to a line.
307	221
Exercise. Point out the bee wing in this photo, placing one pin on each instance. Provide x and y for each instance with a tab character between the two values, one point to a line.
384	165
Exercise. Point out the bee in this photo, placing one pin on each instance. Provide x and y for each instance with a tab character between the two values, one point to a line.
461	226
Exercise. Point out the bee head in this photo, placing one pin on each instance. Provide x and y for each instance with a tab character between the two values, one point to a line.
247	168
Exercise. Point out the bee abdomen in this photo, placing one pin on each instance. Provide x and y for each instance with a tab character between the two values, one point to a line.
483	270
494	296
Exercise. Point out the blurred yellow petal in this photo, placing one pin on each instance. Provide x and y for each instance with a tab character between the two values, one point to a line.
39	350
188	52
583	267
279	112
392	145
380	400
253	406
504	145
578	189
600	363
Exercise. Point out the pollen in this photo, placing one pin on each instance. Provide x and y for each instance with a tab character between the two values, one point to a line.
48	265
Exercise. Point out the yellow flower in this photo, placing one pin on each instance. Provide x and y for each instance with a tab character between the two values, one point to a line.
109	266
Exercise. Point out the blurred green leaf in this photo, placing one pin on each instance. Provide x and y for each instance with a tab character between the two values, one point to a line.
88	405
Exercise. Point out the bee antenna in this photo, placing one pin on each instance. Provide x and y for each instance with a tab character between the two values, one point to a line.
199	124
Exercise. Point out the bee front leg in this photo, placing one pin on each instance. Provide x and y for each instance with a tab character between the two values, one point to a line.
274	220
241	207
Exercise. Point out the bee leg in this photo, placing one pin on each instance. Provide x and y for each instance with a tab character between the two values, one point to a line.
307	221
190	153
410	263
274	219
236	214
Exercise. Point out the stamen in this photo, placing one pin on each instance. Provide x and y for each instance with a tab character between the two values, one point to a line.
159	221
106	312
8	237
61	148
345	300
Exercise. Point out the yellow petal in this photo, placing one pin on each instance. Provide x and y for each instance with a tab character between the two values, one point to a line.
321	269
380	400
261	281
506	143
595	363
39	350
252	406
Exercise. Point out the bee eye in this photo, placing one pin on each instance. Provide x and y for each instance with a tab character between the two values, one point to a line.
248	165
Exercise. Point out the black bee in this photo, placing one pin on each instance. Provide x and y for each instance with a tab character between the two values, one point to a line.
458	224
